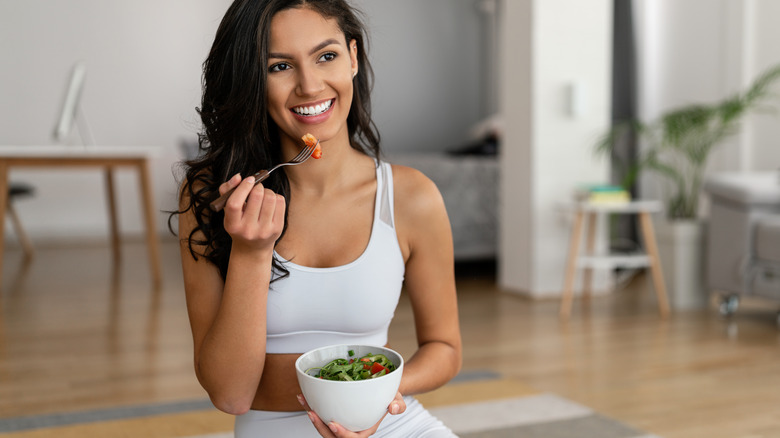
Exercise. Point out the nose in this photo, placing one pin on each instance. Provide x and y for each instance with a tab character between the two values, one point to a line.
310	82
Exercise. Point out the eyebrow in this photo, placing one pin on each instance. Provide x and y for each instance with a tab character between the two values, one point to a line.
316	49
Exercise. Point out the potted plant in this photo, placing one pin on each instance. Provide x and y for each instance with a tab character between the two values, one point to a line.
676	147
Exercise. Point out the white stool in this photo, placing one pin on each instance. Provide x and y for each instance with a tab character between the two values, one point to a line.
585	211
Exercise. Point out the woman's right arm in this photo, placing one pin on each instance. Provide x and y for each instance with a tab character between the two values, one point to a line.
228	319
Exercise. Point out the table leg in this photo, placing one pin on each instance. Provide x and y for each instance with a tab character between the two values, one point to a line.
151	224
571	265
112	215
3	206
648	234
590	242
24	239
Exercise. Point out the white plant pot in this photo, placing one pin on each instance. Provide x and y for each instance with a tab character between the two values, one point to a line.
681	249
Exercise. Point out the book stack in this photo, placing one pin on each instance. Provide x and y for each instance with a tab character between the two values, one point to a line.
603	194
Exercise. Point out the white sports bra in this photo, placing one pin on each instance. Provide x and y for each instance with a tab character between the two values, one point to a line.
349	304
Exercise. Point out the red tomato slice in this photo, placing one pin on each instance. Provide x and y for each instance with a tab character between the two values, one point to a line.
377	367
311	140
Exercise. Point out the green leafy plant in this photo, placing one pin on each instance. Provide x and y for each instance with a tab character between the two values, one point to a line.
678	144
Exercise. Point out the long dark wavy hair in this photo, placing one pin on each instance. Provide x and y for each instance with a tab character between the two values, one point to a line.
238	135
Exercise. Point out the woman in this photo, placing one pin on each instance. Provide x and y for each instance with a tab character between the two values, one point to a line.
316	255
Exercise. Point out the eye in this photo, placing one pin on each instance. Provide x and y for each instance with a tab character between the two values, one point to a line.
327	57
281	66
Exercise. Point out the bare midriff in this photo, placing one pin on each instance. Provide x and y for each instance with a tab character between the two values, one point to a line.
279	385
278	388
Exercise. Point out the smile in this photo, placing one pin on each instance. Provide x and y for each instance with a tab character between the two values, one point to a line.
315	110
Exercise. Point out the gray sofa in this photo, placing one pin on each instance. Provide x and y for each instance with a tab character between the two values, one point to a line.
743	245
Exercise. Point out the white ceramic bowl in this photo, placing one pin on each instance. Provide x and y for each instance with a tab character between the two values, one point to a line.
356	405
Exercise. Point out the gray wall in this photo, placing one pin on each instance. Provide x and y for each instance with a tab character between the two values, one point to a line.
429	75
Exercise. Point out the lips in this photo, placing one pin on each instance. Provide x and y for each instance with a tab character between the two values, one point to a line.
313	110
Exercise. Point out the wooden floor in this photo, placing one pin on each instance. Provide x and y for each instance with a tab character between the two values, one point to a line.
78	334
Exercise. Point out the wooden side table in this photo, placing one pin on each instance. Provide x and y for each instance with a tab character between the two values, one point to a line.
588	212
103	157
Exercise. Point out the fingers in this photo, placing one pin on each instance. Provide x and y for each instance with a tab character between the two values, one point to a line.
267	211
326	430
266	208
339	431
336	430
252	212
302	401
253	200
229	184
254	205
398	405
234	207
321	427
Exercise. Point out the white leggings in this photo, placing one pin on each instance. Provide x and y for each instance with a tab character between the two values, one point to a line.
415	422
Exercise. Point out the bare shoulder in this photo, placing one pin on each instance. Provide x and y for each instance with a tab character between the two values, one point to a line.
420	213
191	185
414	191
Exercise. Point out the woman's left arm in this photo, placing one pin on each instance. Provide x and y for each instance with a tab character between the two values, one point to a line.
425	236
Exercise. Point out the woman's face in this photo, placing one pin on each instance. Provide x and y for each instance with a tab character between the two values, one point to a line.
310	71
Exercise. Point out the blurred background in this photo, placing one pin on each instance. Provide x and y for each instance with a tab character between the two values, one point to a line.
142	86
452	76
500	102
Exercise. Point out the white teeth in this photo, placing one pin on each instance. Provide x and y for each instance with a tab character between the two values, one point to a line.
313	110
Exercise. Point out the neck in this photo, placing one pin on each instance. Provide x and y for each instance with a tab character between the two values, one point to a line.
339	168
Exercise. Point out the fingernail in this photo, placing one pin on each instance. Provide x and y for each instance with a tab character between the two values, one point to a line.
251	179
333	428
311	416
394	408
300	399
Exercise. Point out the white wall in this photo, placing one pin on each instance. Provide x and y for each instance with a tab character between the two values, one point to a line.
690	51
696	51
548	46
143	84
763	35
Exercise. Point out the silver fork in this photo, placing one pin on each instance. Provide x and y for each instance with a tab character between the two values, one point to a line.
219	203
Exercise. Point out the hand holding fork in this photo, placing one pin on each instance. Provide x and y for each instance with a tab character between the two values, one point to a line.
307	151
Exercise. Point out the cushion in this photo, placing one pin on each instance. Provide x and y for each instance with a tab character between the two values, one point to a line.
768	238
746	187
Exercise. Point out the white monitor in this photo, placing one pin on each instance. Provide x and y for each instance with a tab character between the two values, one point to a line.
70	105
